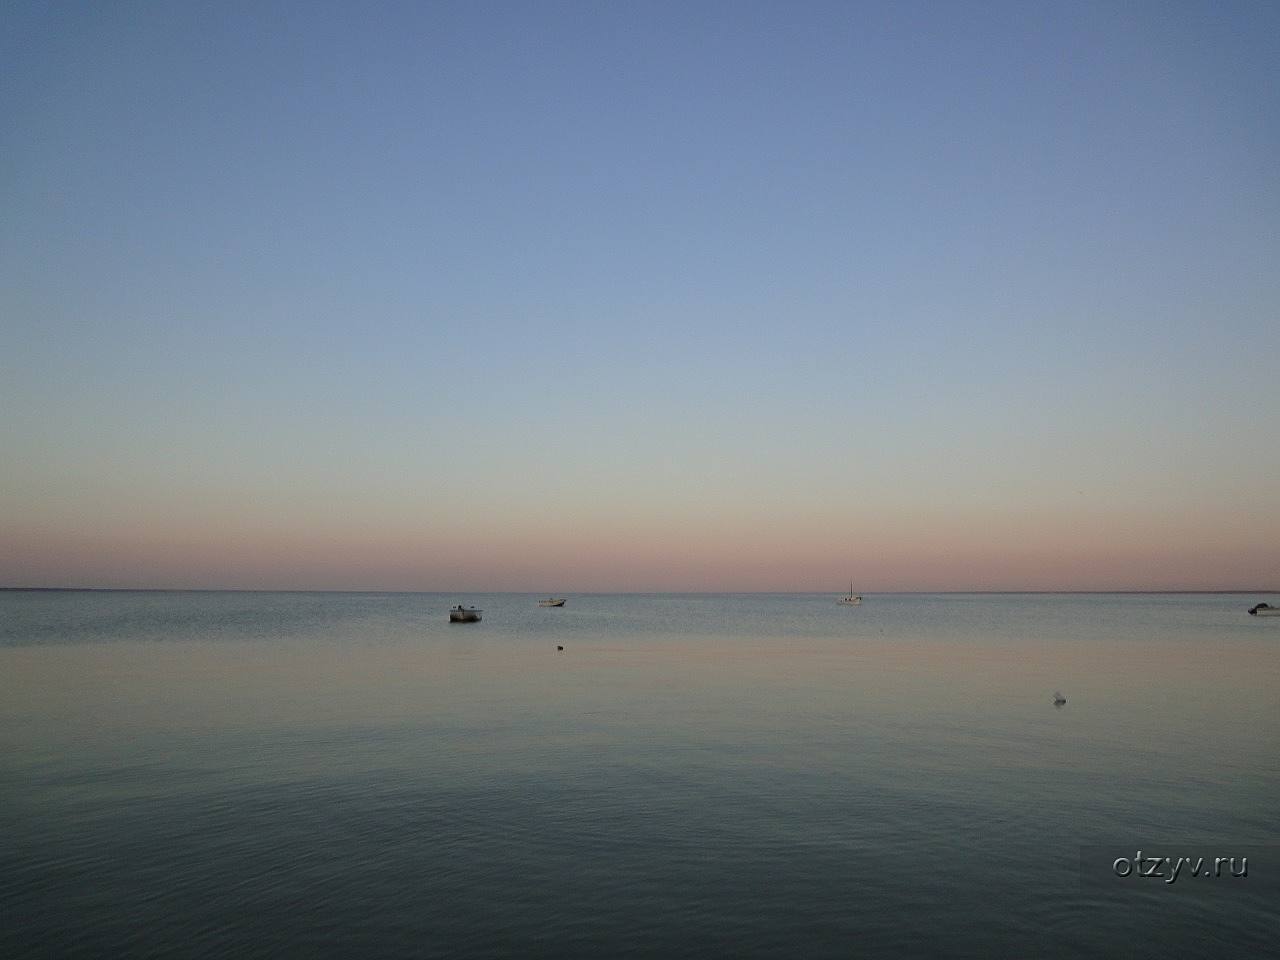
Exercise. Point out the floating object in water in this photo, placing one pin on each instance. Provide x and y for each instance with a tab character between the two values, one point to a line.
461	614
1264	610
551	602
558	647
1058	699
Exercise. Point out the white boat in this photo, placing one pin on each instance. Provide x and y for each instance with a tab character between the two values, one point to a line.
851	600
551	602
461	614
1264	610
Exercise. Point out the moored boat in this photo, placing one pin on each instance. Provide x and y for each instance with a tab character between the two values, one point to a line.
1264	610
461	614
851	600
551	602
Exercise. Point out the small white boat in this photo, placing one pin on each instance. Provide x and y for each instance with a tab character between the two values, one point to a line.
551	602
461	614
851	600
1058	699
1264	610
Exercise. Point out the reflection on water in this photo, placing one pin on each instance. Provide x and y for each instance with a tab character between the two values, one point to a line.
754	775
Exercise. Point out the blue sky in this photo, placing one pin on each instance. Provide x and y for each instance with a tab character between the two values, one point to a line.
705	296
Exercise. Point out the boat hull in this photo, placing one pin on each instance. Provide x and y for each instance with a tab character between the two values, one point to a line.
551	603
850	601
464	616
1261	611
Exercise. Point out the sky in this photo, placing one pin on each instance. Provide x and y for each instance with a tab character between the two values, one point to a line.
564	297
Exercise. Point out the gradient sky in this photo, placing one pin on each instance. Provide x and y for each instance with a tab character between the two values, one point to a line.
593	296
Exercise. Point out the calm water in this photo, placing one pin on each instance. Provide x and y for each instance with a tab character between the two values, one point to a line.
263	775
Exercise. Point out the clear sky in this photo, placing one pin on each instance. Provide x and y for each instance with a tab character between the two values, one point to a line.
601	296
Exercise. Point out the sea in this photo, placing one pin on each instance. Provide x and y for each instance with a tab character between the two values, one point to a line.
223	774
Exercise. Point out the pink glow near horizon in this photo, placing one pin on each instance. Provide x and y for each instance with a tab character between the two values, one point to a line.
1099	555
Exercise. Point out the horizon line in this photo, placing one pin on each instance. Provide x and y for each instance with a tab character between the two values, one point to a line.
602	593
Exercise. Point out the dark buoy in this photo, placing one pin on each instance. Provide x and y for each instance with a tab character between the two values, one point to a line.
558	647
1058	699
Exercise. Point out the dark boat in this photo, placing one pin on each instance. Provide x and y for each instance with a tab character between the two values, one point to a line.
461	614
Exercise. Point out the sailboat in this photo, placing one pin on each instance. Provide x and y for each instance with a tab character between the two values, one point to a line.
851	600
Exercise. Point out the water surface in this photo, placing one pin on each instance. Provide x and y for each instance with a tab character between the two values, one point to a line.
266	774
